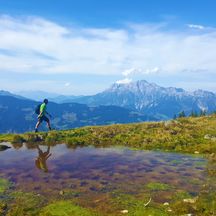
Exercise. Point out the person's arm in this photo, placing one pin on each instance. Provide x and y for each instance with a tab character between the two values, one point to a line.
48	156
41	112
48	114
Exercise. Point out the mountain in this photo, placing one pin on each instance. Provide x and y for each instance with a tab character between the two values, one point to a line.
37	95
63	98
17	115
41	95
151	99
7	93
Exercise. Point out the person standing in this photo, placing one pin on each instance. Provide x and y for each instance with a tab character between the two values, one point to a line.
42	115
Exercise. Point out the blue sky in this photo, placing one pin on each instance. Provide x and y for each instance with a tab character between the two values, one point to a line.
82	47
113	13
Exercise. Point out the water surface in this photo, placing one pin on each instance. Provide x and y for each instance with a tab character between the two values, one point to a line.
90	174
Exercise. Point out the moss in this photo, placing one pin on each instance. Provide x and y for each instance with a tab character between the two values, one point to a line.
3	207
148	211
32	138
203	204
206	204
4	185
180	195
136	207
181	208
65	208
52	137
18	139
25	204
157	186
6	137
74	141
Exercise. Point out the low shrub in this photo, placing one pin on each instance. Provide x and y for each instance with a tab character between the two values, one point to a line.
18	139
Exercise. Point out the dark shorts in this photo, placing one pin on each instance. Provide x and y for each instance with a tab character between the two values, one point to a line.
43	118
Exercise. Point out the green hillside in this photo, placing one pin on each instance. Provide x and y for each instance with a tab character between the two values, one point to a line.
188	135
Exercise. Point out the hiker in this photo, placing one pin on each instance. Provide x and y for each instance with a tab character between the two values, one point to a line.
40	162
41	111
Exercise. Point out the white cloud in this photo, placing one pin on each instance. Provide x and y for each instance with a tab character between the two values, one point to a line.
124	81
34	44
67	84
196	26
136	71
133	71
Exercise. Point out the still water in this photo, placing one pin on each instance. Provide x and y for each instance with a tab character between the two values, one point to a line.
90	174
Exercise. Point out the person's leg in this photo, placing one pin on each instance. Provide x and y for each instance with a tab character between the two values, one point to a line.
37	125
48	123
49	126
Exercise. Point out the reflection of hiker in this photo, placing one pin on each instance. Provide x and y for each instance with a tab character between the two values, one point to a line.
40	162
41	111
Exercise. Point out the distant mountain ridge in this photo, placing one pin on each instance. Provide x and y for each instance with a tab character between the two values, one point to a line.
40	95
121	103
17	115
152	99
7	93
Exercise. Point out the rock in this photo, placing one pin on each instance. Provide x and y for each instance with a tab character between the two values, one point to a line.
207	136
61	192
190	200
196	152
124	211
169	210
40	137
4	147
166	204
210	137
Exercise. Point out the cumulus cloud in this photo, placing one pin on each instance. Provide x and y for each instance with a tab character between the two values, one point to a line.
34	44
136	71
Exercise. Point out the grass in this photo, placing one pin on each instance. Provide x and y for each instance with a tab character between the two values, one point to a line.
23	203
65	208
186	135
4	185
157	186
136	207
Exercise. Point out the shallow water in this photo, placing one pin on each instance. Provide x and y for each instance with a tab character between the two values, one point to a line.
89	173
